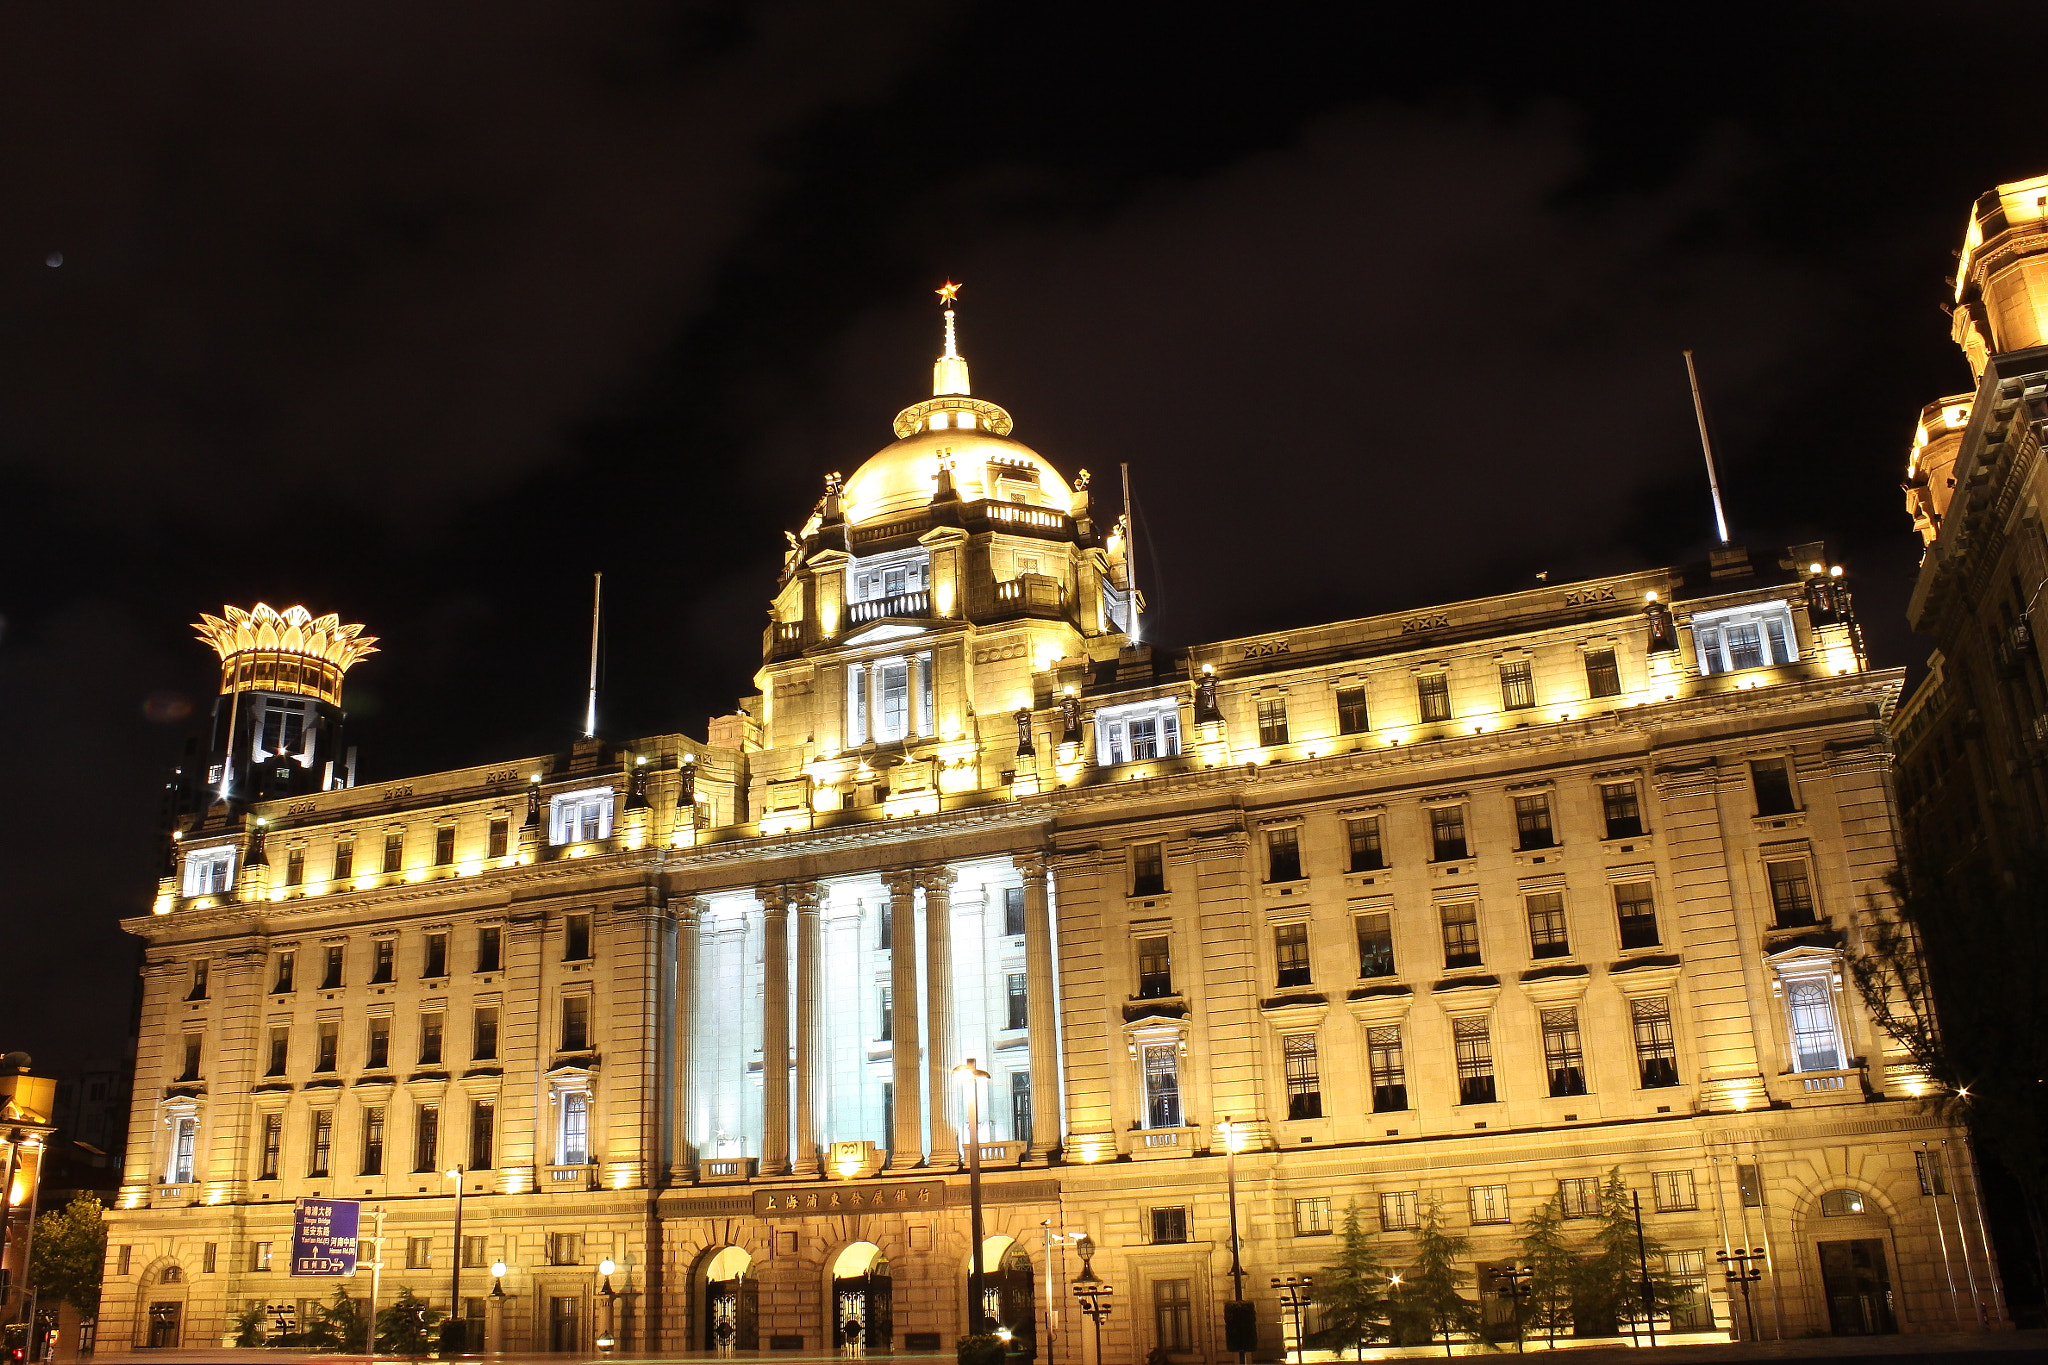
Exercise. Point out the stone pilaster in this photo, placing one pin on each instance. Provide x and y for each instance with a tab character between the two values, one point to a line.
939	1034
906	1139
810	1030
774	1031
1042	1006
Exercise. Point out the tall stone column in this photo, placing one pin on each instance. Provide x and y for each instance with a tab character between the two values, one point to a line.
938	984
906	1140
689	917
1041	1006
810	1028
774	1031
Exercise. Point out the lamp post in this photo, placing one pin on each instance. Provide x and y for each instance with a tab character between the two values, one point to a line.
1743	1269
1512	1283
611	1304
1090	1291
1233	1142
496	1304
973	1076
1294	1294
457	1325
1052	1312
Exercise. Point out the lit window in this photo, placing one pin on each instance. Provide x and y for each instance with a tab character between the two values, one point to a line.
1351	715
1162	1085
1375	945
1841	1203
209	871
579	817
1290	954
1131	734
889	699
1433	696
1816	1038
184	1141
1603	679
1272	720
1517	685
1744	637
879	578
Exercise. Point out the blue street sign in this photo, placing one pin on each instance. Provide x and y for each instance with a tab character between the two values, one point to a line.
324	1233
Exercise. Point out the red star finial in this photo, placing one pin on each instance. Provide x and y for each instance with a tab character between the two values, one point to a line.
948	292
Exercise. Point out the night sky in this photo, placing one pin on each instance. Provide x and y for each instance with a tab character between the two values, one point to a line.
422	313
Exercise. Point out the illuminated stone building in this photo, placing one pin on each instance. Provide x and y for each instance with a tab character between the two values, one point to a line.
1465	904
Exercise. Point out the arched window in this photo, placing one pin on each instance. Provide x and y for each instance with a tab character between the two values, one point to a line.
171	1275
1842	1204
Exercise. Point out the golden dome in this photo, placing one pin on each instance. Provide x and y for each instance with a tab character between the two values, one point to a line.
902	476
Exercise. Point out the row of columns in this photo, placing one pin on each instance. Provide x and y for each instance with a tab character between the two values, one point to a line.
915	1074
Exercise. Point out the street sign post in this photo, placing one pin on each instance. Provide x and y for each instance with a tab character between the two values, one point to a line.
324	1233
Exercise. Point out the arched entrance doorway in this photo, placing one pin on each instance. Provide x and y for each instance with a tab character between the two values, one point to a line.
861	1297
1008	1294
731	1295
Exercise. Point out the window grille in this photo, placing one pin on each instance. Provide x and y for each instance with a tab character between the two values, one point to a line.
1461	934
1563	1056
1933	1180
1603	679
1311	1217
565	1248
1517	685
373	1141
1532	822
1489	1203
1474	1044
1816	1044
1290	954
1351	715
1016	1000
1304	1078
323	1143
1656	1051
1148	870
1397	1211
1791	893
1579	1197
1375	945
1283	854
273	1145
1013	911
1272	720
1635	907
1771	778
1548	933
575	1145
1433	696
1621	809
1389	1069
1170	1225
1841	1204
1173	1315
483	1135
1447	832
1363	839
1673	1191
1155	968
1162	1085
426	1138
1750	1186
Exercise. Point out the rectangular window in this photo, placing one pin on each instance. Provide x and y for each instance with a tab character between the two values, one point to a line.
1169	1225
1020	1107
1362	837
1162	1085
444	845
1389	1069
430	1038
259	1258
330	1044
1635	908
1692	1309
1351	716
1304	1076
1621	810
1447	833
281	983
474	1256
1816	1042
189	1071
199	973
1017	1012
1013	911
1461	934
1474	1044
1397	1212
323	1143
419	1253
888	1001
273	1145
426	1138
1563	1056
1375	945
484	1039
1656	1052
501	839
123	1261
1517	685
1932	1179
1173	1315
1791	893
209	871
436	963
1489	1203
209	1258
344	859
1155	967
394	852
575	1023
1311	1217
295	867
1433	696
184	1145
575	1129
1603	679
1532	822
330	978
1772	780
1290	955
373	1141
489	949
893	684
1674	1191
1283	854
565	1248
1272	721
575	938
384	954
1749	1186
1548	936
483	1135
1148	870
379	1052
1747	638
885	925
1579	1197
280	1051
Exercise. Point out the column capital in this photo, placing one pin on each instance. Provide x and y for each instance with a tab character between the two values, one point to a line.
901	881
1031	864
936	878
807	896
689	907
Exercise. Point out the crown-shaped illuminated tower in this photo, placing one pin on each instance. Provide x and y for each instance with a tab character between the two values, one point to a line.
277	720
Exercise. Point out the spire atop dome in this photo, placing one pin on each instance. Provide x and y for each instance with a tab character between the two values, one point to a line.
949	371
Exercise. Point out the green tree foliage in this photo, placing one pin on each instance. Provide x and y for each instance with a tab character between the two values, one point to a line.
248	1325
1428	1305
1553	1270
1950	924
339	1326
70	1251
1352	1292
1610	1279
404	1329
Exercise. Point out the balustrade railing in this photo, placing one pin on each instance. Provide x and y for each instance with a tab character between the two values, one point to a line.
918	603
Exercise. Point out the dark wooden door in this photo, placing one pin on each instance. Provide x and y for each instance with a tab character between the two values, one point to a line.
166	1323
1858	1288
564	1316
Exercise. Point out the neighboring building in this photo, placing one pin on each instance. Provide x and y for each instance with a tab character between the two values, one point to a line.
1465	904
26	1123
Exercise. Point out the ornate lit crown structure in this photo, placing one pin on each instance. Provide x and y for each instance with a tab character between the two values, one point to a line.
267	650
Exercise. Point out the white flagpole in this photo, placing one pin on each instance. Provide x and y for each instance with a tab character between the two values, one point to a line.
596	606
1699	412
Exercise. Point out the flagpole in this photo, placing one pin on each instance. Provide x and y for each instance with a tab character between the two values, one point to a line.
596	606
1699	412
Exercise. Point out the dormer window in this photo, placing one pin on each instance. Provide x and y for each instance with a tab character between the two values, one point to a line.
209	871
885	576
1142	730
579	817
1744	637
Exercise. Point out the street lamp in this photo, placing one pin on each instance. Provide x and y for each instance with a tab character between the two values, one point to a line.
611	1305
498	1280
1512	1283
1294	1294
1090	1292
1744	1268
453	1330
1237	1332
972	1076
1052	1312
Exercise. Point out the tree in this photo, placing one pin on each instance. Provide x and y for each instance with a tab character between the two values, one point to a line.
1984	934
248	1326
70	1251
1429	1297
1610	1279
1351	1292
339	1327
1553	1269
403	1328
